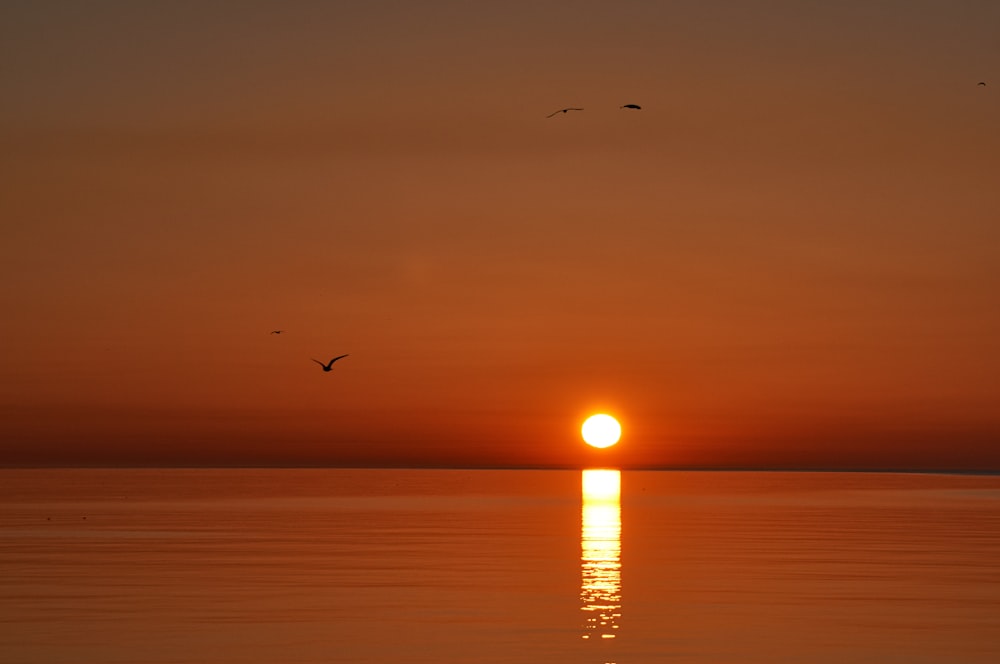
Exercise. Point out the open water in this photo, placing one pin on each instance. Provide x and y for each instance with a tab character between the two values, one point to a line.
448	566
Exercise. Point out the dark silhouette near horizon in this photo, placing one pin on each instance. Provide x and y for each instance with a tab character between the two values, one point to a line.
981	83
562	110
632	106
329	365
276	331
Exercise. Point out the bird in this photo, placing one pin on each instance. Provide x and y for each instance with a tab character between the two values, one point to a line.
562	110
276	331
635	106
981	83
329	365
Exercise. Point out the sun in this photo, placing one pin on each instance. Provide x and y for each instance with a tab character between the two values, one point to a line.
601	431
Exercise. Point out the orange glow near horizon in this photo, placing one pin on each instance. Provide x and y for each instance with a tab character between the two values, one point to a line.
748	290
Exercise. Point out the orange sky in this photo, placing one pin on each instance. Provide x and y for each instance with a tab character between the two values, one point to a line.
789	257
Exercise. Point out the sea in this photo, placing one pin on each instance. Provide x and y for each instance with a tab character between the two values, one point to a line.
375	566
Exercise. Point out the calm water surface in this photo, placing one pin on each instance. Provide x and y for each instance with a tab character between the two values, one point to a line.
309	566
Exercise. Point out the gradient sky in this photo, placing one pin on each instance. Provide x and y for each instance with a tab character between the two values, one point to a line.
789	257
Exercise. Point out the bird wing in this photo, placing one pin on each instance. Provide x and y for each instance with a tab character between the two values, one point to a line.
554	113
317	361
339	357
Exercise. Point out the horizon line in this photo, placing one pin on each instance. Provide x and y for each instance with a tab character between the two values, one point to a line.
564	467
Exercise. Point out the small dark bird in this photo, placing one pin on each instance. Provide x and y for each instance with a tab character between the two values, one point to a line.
329	365
633	106
276	331
981	83
562	110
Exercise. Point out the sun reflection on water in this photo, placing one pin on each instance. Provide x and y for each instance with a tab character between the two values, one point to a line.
600	553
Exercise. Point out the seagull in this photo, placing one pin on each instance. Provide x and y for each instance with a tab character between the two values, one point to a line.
276	331
329	365
562	110
981	83
635	106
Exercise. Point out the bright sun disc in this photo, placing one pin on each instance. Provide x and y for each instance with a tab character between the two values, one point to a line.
601	431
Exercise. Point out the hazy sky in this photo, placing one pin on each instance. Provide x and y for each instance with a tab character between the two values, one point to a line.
789	257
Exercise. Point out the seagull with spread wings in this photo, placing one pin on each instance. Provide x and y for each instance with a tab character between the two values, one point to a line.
562	110
329	365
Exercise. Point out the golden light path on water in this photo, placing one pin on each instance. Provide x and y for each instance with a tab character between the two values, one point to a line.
600	553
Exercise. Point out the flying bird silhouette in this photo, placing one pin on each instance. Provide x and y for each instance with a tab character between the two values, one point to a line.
981	83
562	110
634	106
329	365
276	331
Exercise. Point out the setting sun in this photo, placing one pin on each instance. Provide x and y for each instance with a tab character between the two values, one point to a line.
601	431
